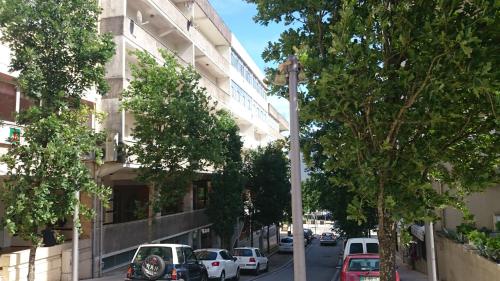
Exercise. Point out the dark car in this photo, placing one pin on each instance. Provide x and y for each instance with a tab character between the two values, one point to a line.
166	262
308	235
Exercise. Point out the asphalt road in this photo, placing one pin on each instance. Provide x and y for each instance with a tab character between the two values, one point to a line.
321	262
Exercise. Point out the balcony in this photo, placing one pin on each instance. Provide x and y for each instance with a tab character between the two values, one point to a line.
118	237
172	13
145	40
208	55
221	96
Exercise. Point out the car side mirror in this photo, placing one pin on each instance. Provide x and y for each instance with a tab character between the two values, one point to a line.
235	259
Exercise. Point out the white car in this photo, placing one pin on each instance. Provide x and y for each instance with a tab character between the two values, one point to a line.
219	263
251	259
286	245
361	245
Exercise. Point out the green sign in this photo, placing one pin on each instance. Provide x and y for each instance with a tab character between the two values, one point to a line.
14	135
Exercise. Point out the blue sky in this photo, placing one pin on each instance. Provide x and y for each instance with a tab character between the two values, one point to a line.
237	15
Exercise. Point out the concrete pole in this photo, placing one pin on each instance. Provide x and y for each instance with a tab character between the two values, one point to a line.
431	253
299	263
74	260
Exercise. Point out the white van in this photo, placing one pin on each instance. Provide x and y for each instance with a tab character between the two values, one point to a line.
361	246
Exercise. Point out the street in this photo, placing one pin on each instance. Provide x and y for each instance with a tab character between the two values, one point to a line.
321	264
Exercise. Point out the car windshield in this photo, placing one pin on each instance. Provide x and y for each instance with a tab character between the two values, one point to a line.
243	252
364	264
164	252
206	255
286	240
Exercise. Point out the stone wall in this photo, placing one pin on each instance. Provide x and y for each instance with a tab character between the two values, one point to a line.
458	262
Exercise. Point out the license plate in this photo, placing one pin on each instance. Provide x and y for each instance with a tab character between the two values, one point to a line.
369	278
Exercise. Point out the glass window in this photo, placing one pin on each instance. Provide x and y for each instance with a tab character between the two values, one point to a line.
224	255
8	104
180	255
164	252
257	253
372	248
206	255
364	264
190	256
356	248
243	252
286	240
200	198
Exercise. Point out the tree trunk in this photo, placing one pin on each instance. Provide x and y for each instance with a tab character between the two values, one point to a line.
251	234
31	264
268	249
387	240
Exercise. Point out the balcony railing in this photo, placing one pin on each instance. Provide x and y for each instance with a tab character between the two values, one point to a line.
206	47
173	13
149	42
121	236
215	91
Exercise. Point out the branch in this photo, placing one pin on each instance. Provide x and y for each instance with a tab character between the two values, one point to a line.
409	102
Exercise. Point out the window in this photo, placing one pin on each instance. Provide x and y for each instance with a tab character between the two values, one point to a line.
243	252
356	248
180	255
372	248
8	104
164	252
190	256
206	255
200	196
224	255
257	253
364	265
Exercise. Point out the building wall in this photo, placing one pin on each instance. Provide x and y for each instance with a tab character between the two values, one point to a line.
485	206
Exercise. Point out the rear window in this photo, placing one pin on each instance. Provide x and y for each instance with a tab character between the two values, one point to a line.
164	252
243	252
360	264
372	248
206	255
286	240
356	248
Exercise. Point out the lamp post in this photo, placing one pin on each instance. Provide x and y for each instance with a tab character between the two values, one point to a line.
74	271
291	69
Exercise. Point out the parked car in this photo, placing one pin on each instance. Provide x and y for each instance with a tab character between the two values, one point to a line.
361	246
220	264
308	235
362	267
166	262
286	245
251	259
327	238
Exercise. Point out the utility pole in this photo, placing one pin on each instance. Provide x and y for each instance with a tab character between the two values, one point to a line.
76	219
299	264
431	253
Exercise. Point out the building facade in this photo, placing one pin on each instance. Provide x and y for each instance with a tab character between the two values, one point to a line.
197	36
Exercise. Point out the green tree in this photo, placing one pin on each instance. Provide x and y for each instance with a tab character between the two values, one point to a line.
226	198
45	170
57	49
269	184
59	54
176	129
413	89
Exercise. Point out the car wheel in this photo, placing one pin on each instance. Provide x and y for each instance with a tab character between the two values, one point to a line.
237	277
153	267
257	269
222	276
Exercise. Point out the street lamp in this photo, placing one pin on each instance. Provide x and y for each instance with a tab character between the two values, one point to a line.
291	70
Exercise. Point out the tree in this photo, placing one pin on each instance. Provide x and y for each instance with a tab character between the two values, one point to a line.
413	92
269	184
45	171
57	49
176	129
59	54
225	200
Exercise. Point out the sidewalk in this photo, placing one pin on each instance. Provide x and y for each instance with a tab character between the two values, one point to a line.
407	274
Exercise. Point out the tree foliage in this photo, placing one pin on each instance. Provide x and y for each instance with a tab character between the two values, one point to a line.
57	49
269	183
406	94
225	199
176	130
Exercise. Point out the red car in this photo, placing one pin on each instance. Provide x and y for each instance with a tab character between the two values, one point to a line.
362	267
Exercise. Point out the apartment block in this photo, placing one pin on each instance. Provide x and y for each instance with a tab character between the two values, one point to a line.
193	32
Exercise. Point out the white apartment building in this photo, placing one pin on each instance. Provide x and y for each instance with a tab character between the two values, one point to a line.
193	31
